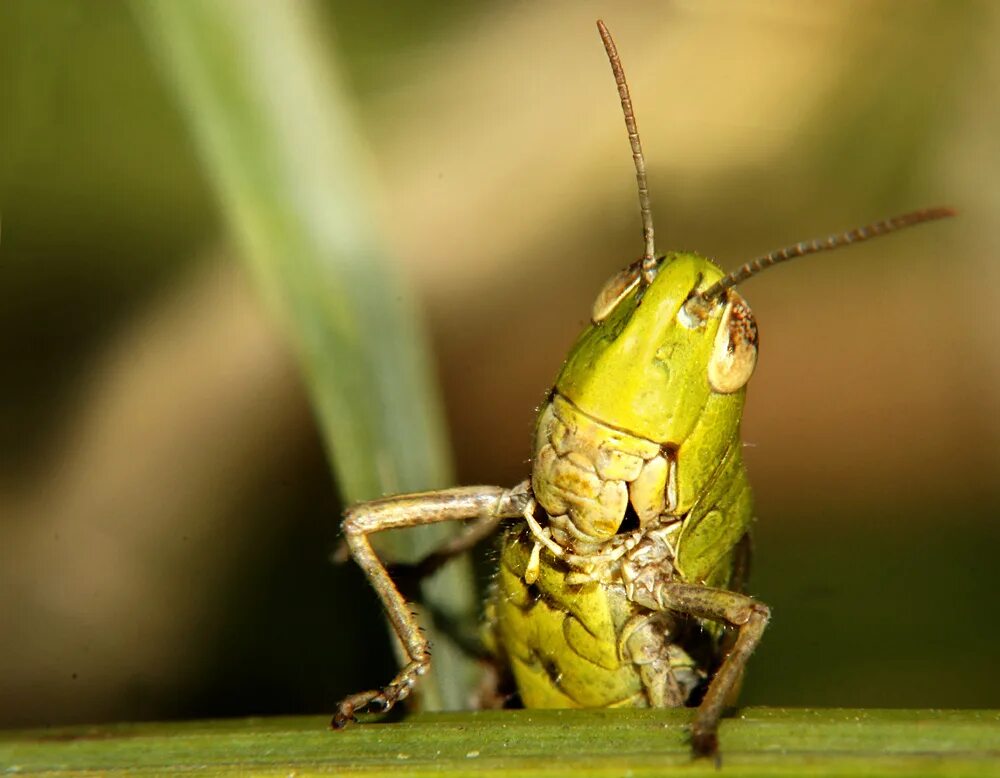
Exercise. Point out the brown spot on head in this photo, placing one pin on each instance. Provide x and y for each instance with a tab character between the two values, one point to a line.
742	324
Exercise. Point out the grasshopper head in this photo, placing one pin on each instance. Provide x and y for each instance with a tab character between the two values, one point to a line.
656	351
659	366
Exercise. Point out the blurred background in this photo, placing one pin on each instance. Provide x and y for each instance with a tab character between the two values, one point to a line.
166	508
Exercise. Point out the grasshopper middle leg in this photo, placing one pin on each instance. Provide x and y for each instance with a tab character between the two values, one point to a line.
731	608
487	504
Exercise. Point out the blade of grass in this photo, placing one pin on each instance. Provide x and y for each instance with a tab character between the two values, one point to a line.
277	136
759	742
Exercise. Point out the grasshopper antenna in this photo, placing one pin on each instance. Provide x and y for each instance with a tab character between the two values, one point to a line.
874	230
649	257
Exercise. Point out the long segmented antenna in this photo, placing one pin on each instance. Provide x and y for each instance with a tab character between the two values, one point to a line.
649	258
867	232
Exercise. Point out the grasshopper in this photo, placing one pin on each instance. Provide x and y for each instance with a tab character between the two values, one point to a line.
622	570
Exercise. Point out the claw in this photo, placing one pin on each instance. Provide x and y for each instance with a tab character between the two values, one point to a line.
343	717
705	744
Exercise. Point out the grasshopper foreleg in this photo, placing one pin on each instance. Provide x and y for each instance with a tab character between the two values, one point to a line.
731	608
487	504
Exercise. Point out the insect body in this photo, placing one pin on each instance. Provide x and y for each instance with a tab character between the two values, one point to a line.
621	573
640	505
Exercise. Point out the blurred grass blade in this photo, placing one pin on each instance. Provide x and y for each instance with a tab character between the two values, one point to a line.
277	138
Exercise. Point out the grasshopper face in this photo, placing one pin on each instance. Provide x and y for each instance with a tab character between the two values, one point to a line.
660	373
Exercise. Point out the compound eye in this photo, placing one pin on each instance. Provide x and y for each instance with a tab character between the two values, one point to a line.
734	354
612	293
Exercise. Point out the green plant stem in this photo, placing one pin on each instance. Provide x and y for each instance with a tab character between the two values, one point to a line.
279	144
757	741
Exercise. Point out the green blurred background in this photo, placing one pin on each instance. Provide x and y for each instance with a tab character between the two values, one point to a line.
166	510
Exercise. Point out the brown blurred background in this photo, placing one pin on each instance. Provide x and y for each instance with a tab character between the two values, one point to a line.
166	512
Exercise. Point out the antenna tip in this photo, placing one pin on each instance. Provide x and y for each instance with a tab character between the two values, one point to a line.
927	215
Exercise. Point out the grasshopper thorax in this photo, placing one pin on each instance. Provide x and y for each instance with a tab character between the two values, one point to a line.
659	367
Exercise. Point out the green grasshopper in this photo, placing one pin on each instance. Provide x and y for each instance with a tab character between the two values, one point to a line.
621	575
